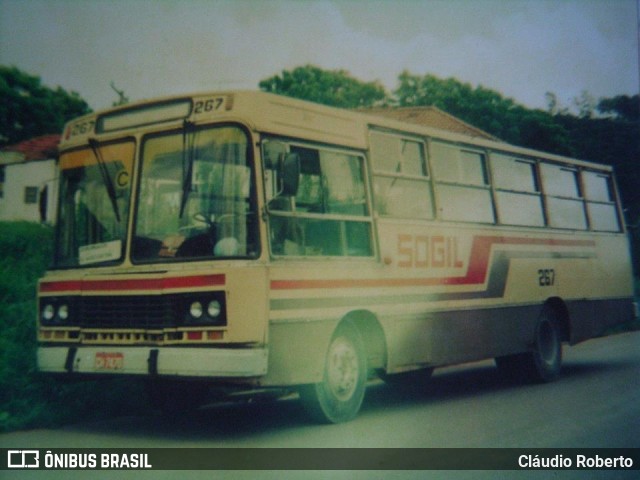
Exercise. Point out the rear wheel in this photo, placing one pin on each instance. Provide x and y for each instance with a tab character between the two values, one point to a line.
543	363
338	397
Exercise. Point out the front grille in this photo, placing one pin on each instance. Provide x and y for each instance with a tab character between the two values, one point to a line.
144	311
141	312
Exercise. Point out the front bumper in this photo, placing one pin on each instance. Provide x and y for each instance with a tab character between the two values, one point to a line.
174	361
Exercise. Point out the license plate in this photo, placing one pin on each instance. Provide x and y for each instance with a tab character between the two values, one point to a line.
109	361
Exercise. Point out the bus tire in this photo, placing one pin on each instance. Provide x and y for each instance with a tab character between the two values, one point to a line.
338	397
544	361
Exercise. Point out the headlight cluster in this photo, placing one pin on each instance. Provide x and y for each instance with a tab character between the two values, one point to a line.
206	310
55	311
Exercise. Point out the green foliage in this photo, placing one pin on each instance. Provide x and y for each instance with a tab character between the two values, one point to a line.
29	109
622	107
26	252
336	88
485	109
28	399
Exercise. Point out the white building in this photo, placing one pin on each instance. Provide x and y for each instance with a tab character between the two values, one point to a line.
28	180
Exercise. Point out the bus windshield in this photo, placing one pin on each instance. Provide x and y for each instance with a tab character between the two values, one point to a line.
94	204
196	196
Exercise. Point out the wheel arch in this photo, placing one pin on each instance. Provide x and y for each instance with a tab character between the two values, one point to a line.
372	334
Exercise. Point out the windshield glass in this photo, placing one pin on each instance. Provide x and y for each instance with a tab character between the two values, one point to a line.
196	197
94	204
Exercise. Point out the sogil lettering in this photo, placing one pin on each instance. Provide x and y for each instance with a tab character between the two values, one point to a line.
423	251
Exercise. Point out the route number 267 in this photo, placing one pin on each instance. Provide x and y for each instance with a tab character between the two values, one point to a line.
546	277
208	105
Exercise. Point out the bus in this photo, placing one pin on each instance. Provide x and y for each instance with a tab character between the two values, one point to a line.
244	241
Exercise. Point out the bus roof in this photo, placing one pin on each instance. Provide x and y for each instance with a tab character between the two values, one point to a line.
276	114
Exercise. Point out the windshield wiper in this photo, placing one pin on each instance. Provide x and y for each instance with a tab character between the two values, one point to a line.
106	178
187	163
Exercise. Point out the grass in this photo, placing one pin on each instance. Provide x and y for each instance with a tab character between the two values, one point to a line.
27	398
26	250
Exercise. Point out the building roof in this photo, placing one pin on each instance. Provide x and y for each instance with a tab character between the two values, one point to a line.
37	148
430	117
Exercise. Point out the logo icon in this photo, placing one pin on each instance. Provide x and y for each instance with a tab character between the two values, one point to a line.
23	459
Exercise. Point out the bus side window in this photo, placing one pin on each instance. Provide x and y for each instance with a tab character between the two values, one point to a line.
462	184
319	219
565	208
401	183
518	197
601	206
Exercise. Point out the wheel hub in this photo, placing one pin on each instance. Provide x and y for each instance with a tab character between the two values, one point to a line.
342	369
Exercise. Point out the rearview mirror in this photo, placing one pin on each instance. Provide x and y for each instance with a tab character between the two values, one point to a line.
289	174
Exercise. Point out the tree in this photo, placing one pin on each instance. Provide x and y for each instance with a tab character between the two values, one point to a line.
122	98
586	104
553	105
622	107
335	88
485	109
29	109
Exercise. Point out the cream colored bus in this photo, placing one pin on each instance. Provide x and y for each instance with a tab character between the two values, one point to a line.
251	241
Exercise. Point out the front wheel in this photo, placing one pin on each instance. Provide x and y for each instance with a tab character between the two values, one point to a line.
338	397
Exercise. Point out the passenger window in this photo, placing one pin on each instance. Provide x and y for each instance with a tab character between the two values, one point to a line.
343	183
601	208
560	181
398	155
597	187
455	165
462	184
329	215
403	198
518	200
402	188
510	173
565	208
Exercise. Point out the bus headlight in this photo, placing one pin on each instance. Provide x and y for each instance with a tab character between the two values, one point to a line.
195	310
56	311
205	309
214	309
48	312
63	312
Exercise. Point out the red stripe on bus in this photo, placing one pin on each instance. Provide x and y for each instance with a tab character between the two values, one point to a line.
476	271
132	284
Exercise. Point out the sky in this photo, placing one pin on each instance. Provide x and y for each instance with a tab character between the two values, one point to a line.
152	48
